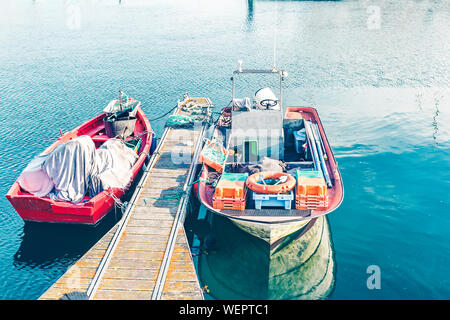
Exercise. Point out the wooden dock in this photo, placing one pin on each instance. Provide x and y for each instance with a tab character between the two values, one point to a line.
146	255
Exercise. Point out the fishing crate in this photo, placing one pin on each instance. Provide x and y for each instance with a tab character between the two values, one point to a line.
311	191
213	155
283	200
115	126
231	192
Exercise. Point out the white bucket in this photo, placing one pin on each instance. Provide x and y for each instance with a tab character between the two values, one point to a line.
266	95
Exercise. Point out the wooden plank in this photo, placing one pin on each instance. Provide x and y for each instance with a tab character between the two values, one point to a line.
161	172
151	223
104	294
184	296
181	281
137	264
130	273
145	239
127	284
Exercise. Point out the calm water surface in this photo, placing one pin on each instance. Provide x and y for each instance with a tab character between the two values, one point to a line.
380	84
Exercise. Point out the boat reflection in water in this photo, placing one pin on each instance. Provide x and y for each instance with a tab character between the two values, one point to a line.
59	245
236	265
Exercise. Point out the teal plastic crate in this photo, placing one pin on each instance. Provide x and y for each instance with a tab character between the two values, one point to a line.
310	174
234	176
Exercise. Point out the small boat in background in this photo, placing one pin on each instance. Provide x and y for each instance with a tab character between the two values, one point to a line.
136	134
269	169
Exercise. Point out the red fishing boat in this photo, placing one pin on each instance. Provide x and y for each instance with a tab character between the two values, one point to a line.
90	210
268	168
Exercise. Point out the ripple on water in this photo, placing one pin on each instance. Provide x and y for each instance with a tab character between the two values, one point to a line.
382	96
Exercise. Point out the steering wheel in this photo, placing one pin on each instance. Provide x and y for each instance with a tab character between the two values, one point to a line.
266	103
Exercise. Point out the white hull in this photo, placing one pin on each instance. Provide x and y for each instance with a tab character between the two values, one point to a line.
269	232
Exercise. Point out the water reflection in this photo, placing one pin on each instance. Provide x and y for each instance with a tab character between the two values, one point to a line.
249	12
435	122
45	244
232	264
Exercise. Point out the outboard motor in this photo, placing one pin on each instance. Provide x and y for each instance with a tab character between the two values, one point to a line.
266	99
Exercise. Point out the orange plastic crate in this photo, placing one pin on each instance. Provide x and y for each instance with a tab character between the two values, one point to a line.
230	192
310	202
311	191
229	204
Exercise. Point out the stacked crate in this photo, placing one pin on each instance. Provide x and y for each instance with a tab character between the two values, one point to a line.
231	192
311	191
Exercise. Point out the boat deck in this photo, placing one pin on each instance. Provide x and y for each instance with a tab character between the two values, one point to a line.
146	255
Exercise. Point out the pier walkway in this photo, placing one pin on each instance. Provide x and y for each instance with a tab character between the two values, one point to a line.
146	254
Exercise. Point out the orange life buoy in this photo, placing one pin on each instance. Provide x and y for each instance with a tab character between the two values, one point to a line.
254	182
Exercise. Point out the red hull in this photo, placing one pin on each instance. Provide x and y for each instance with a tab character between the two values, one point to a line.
43	209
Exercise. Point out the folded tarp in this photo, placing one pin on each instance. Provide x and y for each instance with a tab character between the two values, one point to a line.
34	179
75	168
242	104
267	164
113	166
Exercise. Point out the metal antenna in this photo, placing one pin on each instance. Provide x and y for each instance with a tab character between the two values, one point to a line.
120	99
275	39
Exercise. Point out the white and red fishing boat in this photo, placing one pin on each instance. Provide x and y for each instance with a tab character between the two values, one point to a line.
267	168
97	131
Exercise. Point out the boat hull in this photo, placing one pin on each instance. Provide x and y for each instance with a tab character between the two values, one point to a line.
269	232
90	211
46	210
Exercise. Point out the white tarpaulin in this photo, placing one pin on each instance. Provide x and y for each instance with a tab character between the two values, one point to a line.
76	168
34	180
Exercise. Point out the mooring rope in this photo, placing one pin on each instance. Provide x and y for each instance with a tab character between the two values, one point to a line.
165	114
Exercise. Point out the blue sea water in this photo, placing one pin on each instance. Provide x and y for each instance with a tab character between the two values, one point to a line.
377	71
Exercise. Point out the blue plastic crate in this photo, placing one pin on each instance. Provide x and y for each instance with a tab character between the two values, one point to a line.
273	200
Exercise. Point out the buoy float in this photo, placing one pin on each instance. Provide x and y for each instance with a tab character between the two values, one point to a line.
254	182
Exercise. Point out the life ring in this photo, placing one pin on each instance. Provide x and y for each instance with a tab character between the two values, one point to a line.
254	182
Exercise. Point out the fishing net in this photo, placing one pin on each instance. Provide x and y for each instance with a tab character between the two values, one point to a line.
196	109
193	109
134	144
182	121
212	178
125	106
213	154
